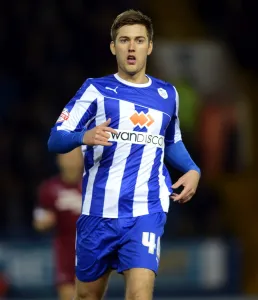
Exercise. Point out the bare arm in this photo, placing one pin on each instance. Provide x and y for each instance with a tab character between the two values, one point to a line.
43	219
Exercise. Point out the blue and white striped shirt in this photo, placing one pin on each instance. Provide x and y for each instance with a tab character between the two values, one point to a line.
129	178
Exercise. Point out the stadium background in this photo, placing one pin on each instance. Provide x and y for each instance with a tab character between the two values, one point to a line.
208	49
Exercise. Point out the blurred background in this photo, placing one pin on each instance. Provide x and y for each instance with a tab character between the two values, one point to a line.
208	50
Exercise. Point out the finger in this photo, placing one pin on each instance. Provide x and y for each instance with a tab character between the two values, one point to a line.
181	196
99	138
177	184
103	134
109	129
103	143
186	199
106	123
173	196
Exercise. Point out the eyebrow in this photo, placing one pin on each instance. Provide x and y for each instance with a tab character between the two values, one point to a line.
137	37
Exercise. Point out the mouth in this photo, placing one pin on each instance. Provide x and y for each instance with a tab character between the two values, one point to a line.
131	60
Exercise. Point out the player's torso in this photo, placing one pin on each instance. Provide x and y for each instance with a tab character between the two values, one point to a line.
130	172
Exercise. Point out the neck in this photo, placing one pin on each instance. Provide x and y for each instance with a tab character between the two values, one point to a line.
138	78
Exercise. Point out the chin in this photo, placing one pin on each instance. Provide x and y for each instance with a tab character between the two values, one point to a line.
131	71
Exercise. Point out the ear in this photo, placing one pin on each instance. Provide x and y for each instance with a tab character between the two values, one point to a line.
150	48
113	48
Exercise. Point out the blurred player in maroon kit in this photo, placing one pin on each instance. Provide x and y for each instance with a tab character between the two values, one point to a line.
58	207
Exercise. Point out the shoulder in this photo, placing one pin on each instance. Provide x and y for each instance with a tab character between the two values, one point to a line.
99	81
164	87
95	85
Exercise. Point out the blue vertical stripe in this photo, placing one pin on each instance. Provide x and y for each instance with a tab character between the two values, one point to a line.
85	178
170	130
98	194
88	163
170	133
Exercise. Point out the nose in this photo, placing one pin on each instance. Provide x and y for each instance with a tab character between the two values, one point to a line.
131	46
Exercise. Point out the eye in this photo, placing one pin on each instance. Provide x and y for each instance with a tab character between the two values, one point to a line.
123	41
140	41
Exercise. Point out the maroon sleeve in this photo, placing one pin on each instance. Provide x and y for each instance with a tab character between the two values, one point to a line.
46	196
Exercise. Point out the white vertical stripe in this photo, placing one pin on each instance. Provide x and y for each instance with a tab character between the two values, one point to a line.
140	204
178	136
163	189
97	154
80	107
84	148
117	168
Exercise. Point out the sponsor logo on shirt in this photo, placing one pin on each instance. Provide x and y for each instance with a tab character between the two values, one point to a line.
114	90
134	137
141	119
64	116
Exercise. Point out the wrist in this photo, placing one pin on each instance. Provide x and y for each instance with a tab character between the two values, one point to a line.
196	169
82	137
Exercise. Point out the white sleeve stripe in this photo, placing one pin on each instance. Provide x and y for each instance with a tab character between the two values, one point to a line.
80	108
177	102
177	136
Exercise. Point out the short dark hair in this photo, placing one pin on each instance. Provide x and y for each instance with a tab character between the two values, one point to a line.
131	17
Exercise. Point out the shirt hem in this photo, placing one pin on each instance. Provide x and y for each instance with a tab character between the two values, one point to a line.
109	216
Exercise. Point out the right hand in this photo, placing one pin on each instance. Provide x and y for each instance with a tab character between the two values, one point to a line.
99	135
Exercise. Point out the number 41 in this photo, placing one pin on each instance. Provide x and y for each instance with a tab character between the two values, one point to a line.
149	240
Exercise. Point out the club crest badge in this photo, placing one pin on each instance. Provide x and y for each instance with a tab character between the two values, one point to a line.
163	93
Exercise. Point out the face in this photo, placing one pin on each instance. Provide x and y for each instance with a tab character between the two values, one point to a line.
131	49
71	163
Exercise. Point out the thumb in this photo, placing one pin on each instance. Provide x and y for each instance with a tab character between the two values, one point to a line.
106	123
177	184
